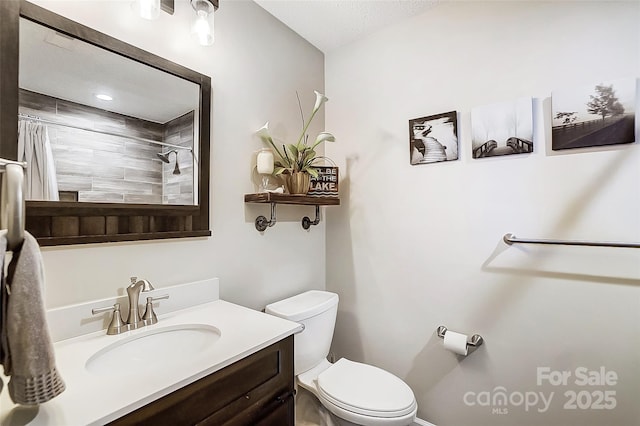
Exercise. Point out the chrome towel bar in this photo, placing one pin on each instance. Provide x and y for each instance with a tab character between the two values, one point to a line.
512	239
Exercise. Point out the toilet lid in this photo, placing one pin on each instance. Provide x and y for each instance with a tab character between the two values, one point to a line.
365	389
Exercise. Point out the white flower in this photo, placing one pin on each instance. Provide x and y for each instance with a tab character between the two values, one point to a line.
299	156
263	132
324	136
320	99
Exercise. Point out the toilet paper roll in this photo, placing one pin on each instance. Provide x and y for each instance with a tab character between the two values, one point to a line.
455	342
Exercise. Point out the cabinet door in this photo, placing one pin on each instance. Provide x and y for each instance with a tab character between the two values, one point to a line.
282	415
278	411
243	393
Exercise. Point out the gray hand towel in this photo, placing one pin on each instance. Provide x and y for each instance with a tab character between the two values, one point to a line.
30	357
3	301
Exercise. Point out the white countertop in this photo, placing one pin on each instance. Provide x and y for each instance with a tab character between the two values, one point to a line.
98	399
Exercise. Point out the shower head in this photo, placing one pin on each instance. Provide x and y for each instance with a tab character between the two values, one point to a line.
165	157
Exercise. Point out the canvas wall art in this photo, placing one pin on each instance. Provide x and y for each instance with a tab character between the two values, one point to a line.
434	138
594	115
502	128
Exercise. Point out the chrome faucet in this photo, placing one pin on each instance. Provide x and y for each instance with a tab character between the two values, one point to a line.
134	320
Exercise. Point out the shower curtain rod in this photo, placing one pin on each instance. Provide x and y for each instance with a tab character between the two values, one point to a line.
54	123
512	239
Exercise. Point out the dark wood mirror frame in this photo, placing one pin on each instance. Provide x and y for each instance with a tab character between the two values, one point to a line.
60	223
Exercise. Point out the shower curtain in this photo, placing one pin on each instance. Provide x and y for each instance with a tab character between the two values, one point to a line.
34	147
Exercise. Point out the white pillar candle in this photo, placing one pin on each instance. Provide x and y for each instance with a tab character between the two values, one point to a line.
265	162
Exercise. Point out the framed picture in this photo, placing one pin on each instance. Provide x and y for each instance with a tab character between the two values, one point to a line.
502	128
433	139
594	115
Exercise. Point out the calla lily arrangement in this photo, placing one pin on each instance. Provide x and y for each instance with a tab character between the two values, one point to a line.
298	157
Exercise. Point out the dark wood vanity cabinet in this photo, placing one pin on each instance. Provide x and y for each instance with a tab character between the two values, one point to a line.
257	390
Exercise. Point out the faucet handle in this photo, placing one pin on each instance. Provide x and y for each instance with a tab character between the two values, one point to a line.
133	280
149	316
116	326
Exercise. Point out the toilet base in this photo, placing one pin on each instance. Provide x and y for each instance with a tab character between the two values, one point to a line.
307	380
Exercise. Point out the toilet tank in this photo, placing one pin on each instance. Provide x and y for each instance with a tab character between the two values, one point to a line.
316	310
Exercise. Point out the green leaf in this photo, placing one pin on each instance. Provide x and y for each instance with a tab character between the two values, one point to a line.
294	151
310	155
286	159
313	172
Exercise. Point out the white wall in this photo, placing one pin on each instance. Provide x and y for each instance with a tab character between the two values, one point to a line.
415	247
256	65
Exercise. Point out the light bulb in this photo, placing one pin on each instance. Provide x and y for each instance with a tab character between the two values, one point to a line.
202	28
147	9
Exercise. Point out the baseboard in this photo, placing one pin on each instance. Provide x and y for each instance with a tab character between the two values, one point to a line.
420	422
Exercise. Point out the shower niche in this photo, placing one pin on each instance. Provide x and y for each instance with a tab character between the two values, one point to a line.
125	133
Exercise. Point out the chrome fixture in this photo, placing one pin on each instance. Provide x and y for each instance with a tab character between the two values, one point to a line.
475	340
147	9
134	320
149	317
165	158
203	25
116	326
36	119
12	206
150	9
512	239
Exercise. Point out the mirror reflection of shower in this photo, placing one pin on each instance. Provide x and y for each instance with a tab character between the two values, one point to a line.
165	157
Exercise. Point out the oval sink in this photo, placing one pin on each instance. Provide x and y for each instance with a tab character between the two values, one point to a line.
147	350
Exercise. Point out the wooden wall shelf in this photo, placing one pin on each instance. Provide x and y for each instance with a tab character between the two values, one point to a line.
273	198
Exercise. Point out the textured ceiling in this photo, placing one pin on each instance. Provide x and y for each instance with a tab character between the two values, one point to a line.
328	24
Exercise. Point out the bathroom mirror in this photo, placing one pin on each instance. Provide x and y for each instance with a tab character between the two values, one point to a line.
116	130
128	132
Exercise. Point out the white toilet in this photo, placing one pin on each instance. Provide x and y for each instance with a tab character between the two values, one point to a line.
359	393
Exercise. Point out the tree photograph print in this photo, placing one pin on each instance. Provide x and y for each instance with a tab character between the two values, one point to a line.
595	115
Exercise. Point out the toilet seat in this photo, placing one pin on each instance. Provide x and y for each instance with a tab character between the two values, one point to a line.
365	390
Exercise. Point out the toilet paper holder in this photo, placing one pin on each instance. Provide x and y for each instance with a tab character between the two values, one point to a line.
475	340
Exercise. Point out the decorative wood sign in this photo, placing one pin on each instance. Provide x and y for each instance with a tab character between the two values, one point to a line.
326	184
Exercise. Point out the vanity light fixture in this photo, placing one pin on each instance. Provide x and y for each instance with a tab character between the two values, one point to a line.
203	24
147	9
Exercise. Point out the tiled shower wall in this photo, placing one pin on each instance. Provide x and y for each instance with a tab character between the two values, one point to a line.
106	168
178	189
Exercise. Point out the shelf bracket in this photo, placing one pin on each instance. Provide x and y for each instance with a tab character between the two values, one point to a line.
262	223
306	222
